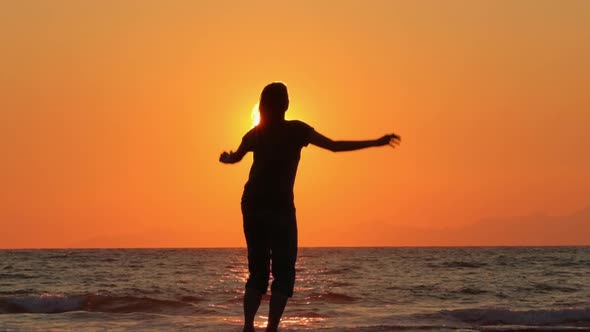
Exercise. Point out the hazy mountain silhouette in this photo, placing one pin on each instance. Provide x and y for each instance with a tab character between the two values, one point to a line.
530	230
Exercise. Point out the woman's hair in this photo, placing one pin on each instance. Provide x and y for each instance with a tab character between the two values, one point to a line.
274	102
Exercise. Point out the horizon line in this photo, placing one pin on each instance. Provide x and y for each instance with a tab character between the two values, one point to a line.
306	247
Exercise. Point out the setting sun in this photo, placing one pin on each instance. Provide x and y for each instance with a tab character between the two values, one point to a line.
255	116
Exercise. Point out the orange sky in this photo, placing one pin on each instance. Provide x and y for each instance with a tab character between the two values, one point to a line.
113	115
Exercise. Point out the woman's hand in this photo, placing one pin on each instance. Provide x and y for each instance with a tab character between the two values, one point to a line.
226	157
390	139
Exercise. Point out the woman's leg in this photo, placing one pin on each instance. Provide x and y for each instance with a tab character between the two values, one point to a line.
278	302
252	299
283	256
257	240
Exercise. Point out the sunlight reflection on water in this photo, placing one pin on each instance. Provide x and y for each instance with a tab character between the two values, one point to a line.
336	288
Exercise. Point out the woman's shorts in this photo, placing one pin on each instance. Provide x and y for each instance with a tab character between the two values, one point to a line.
271	236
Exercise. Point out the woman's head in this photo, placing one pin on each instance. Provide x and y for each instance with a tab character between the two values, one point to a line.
274	102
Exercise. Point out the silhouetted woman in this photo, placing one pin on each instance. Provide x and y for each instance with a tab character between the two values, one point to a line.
270	226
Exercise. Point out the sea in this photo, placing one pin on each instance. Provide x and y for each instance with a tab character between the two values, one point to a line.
337	289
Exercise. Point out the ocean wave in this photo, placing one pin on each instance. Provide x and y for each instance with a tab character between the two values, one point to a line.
341	284
396	327
472	291
191	299
55	303
340	270
547	288
109	260
458	264
330	297
539	317
567	263
17	276
552	288
306	314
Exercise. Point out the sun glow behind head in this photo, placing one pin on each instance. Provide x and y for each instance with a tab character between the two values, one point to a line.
255	116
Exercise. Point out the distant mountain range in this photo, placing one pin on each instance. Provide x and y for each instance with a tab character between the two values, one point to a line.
533	230
525	230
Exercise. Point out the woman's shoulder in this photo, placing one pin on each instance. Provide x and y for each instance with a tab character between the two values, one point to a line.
297	124
250	134
301	131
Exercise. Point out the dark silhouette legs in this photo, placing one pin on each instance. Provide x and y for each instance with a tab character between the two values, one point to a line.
277	305
271	237
252	300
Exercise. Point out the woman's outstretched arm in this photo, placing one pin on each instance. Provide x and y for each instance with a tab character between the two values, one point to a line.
233	157
338	146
